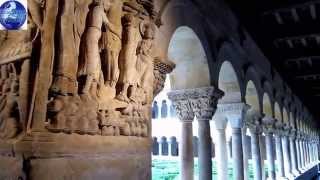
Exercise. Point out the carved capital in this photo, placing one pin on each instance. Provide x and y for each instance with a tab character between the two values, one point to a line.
161	69
182	105
204	102
234	112
268	124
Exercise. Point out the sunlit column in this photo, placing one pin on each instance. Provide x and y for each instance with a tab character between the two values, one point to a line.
184	112
293	153
279	155
286	155
204	103
268	130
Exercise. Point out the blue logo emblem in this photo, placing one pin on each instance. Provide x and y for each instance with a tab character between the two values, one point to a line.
12	15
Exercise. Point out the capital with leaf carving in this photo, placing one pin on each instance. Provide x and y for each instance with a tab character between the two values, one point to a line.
268	124
182	104
204	102
253	120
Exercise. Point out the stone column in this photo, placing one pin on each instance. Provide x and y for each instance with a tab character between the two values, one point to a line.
245	154
293	153
298	153
286	155
269	129
235	114
279	155
221	148
204	103
253	121
238	170
184	112
255	149
303	164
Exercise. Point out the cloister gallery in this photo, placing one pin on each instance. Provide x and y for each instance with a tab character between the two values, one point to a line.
88	89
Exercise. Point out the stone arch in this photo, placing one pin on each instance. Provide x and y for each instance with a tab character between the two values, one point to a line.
277	112
252	97
285	116
170	20
267	107
229	84
228	55
186	51
267	95
253	76
292	120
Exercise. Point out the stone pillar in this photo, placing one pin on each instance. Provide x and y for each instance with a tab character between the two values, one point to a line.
269	129
279	155
298	153
256	156
286	155
305	153
245	151
184	112
303	164
221	148
238	170
204	103
235	112
293	154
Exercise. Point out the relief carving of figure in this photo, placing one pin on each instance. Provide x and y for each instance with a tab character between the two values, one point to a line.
128	58
92	65
9	116
145	58
112	40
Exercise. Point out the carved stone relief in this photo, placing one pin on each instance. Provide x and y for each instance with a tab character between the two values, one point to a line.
95	61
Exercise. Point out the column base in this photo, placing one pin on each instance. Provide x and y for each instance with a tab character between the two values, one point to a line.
296	173
282	178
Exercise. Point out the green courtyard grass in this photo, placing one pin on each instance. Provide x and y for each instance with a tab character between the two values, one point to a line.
167	168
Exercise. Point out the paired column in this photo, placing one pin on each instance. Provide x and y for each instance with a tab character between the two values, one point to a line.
204	103
298	153
253	121
234	113
245	154
221	147
279	155
268	130
200	103
293	153
286	154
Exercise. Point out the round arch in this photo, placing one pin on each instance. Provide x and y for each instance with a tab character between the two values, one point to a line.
252	97
228	83
277	112
186	51
285	116
267	107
